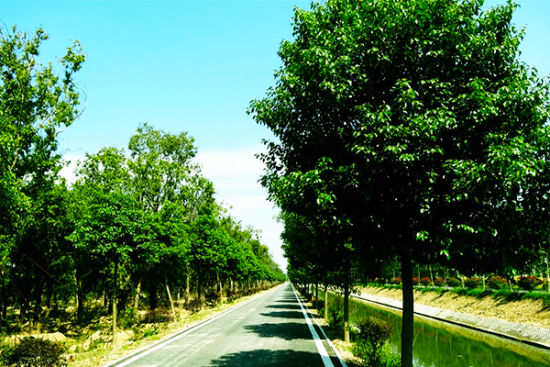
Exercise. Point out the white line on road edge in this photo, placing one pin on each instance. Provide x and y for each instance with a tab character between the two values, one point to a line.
330	343
318	342
142	353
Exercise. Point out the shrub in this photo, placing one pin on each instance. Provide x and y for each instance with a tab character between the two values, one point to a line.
497	282
158	315
415	281
129	318
33	352
472	283
454	282
439	282
335	316
373	334
395	281
425	281
528	282
194	305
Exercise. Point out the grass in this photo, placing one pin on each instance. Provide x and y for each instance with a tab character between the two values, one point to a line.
504	294
351	352
90	345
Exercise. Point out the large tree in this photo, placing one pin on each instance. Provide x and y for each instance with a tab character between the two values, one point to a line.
36	104
418	121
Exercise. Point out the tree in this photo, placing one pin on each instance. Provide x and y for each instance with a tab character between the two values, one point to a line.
109	231
418	122
35	105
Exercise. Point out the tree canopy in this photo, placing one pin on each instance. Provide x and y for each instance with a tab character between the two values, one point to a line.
413	128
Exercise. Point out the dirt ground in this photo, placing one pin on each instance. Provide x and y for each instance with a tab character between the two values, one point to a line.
525	311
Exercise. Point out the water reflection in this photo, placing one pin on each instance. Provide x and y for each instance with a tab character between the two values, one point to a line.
438	344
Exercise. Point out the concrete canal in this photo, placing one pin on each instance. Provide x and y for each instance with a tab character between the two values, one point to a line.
440	344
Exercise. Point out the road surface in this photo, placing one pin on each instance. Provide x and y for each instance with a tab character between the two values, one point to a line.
270	330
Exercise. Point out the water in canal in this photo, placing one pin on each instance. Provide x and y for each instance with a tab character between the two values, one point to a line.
439	344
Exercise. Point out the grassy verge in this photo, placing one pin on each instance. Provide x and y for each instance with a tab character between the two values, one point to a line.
355	353
91	345
502	294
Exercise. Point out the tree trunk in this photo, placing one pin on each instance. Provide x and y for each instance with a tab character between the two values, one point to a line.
326	302
79	301
407	332
187	289
136	299
199	287
171	301
220	287
114	302
153	299
346	310
316	291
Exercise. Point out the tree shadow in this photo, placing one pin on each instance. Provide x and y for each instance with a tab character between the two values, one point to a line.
288	306
264	357
285	314
286	300
287	330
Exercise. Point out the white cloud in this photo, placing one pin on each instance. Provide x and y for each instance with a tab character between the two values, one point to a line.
68	171
235	176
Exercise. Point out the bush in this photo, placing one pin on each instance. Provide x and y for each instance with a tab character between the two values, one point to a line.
33	352
528	282
497	282
194	305
472	283
454	282
415	281
129	318
439	282
425	281
395	281
335	316
373	334
158	315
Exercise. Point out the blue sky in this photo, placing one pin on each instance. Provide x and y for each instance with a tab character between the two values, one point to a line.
193	66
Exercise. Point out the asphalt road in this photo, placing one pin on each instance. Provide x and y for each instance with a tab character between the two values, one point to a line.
270	330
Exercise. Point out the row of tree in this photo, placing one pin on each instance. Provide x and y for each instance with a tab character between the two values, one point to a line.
137	223
407	130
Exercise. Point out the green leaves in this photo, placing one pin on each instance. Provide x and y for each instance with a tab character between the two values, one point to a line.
411	121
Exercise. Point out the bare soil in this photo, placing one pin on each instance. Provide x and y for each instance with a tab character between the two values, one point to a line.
528	311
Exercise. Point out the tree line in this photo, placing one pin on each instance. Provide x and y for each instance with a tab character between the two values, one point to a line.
138	224
409	132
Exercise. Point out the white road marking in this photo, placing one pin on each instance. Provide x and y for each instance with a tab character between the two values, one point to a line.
331	345
318	342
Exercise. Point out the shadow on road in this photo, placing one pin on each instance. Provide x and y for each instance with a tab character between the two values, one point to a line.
287	331
264	357
286	306
285	314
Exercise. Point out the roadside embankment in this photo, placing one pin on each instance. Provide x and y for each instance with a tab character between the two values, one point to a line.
524	320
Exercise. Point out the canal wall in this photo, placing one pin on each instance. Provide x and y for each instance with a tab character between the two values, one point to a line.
530	334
